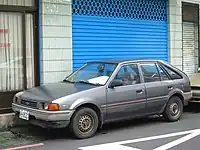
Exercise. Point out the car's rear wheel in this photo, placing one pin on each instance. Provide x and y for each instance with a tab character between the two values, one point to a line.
173	109
84	123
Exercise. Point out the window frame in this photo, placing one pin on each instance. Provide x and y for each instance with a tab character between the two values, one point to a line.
148	63
165	72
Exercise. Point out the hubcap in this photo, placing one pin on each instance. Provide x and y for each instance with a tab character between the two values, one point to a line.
174	109
85	123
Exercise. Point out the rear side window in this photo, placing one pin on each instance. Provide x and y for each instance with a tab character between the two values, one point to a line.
174	75
150	72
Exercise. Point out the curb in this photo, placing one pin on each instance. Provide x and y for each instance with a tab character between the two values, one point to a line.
26	146
6	121
10	120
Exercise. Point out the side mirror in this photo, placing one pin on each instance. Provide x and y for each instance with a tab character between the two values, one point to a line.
116	83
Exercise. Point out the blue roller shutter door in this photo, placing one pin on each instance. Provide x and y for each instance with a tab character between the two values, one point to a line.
119	29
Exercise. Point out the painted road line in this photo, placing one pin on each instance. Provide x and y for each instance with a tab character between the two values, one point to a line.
190	134
178	141
25	146
158	137
109	147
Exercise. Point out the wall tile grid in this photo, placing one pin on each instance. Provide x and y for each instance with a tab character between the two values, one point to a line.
56	37
175	33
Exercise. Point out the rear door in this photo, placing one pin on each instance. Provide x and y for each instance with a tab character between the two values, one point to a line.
157	84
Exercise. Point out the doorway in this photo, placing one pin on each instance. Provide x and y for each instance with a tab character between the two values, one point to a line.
190	23
18	52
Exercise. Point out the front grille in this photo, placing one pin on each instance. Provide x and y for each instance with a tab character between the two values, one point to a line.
29	103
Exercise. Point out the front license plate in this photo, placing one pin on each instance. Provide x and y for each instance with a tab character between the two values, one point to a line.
23	114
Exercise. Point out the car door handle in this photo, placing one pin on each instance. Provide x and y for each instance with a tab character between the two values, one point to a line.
170	87
139	91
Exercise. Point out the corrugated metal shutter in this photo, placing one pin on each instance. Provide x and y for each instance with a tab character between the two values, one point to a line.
121	29
190	48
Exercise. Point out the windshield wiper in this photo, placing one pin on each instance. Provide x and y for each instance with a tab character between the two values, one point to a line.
65	80
87	82
83	81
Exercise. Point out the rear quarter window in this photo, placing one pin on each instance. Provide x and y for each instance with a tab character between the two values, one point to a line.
173	74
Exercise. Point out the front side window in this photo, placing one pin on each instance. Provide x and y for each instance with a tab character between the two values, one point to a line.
129	74
93	73
150	72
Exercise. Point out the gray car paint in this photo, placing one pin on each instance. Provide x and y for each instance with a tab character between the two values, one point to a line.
138	100
132	103
50	92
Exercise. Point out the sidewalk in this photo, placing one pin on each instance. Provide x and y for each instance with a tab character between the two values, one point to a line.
17	137
7	139
14	133
10	120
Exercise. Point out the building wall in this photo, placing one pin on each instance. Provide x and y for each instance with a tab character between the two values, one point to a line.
56	37
56	40
175	31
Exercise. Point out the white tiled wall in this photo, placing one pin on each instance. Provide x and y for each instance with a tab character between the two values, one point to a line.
175	31
56	39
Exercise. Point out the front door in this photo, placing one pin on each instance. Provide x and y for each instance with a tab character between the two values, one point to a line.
128	100
17	55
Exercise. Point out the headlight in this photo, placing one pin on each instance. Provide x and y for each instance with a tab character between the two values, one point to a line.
39	105
15	99
19	94
18	100
46	106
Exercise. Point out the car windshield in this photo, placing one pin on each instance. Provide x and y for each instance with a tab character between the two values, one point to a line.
92	73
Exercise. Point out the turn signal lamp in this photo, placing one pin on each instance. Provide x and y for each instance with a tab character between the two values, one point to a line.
53	107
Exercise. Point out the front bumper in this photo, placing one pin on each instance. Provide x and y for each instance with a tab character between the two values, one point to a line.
49	124
45	118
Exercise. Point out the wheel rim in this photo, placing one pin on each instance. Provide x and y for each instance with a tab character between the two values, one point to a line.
85	123
174	109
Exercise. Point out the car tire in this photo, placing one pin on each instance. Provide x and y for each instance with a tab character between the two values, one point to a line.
84	123
173	110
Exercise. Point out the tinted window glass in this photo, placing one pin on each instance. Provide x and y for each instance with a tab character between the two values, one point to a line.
150	72
129	74
172	73
163	75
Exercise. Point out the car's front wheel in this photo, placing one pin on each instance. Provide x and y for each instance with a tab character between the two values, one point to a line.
84	123
174	109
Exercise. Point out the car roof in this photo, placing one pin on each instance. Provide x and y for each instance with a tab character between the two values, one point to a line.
123	61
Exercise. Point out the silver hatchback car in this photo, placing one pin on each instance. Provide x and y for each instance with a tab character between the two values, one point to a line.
106	91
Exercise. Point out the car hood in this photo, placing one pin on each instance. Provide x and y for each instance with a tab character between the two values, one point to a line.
195	80
50	92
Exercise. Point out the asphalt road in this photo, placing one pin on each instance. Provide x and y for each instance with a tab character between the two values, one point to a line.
140	134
